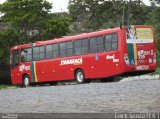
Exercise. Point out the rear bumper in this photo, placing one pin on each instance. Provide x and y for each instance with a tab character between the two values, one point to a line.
150	67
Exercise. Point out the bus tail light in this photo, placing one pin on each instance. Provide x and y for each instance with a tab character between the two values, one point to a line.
154	60
150	60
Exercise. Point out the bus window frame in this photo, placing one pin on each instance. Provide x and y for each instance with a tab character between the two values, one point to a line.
39	53
111	42
26	54
19	60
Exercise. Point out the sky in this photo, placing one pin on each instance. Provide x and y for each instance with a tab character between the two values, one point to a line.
61	5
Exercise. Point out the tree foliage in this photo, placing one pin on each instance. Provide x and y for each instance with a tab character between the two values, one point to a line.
91	15
153	19
97	14
28	21
31	18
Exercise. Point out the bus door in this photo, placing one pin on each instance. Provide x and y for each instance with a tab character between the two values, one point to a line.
15	61
37	71
38	64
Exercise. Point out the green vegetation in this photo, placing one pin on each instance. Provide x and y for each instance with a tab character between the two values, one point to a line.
7	86
89	15
31	20
28	21
157	71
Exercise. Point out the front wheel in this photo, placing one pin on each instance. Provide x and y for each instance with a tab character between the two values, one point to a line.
26	81
79	76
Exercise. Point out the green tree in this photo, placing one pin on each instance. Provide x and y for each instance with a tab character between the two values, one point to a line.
32	19
99	14
28	21
153	19
25	15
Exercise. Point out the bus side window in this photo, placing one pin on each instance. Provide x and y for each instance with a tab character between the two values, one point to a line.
69	48
55	51
49	54
85	46
93	45
42	52
63	49
36	53
114	41
77	47
108	42
96	44
100	44
15	58
26	55
111	42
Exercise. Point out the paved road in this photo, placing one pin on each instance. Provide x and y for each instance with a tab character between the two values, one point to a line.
136	96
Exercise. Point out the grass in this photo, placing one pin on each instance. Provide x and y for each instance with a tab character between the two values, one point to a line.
7	86
157	71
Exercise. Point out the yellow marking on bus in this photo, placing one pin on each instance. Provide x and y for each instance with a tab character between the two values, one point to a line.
135	53
35	73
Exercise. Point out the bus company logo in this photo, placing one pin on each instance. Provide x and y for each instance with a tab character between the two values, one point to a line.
143	53
126	59
112	57
23	67
72	61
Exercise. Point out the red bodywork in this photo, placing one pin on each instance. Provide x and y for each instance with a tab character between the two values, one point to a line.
96	65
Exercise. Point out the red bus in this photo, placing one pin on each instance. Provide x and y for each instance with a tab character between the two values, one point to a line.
102	54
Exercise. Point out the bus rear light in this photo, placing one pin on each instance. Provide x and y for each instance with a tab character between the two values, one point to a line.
154	60
150	60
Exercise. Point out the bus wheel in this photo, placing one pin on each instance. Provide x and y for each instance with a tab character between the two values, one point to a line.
79	76
26	81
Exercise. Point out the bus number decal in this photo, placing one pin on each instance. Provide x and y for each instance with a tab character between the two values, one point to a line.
72	61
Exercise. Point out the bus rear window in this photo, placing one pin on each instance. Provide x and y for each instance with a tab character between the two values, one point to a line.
139	35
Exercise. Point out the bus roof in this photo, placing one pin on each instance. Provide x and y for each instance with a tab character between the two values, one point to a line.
70	38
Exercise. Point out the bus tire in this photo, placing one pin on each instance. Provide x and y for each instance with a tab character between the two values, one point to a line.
26	81
79	76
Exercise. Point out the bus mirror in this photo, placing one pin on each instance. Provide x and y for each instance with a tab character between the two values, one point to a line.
25	51
121	26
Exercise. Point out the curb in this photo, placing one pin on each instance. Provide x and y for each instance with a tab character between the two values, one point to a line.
142	77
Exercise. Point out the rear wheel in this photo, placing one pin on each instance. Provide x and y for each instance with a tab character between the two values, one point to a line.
26	81
79	76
